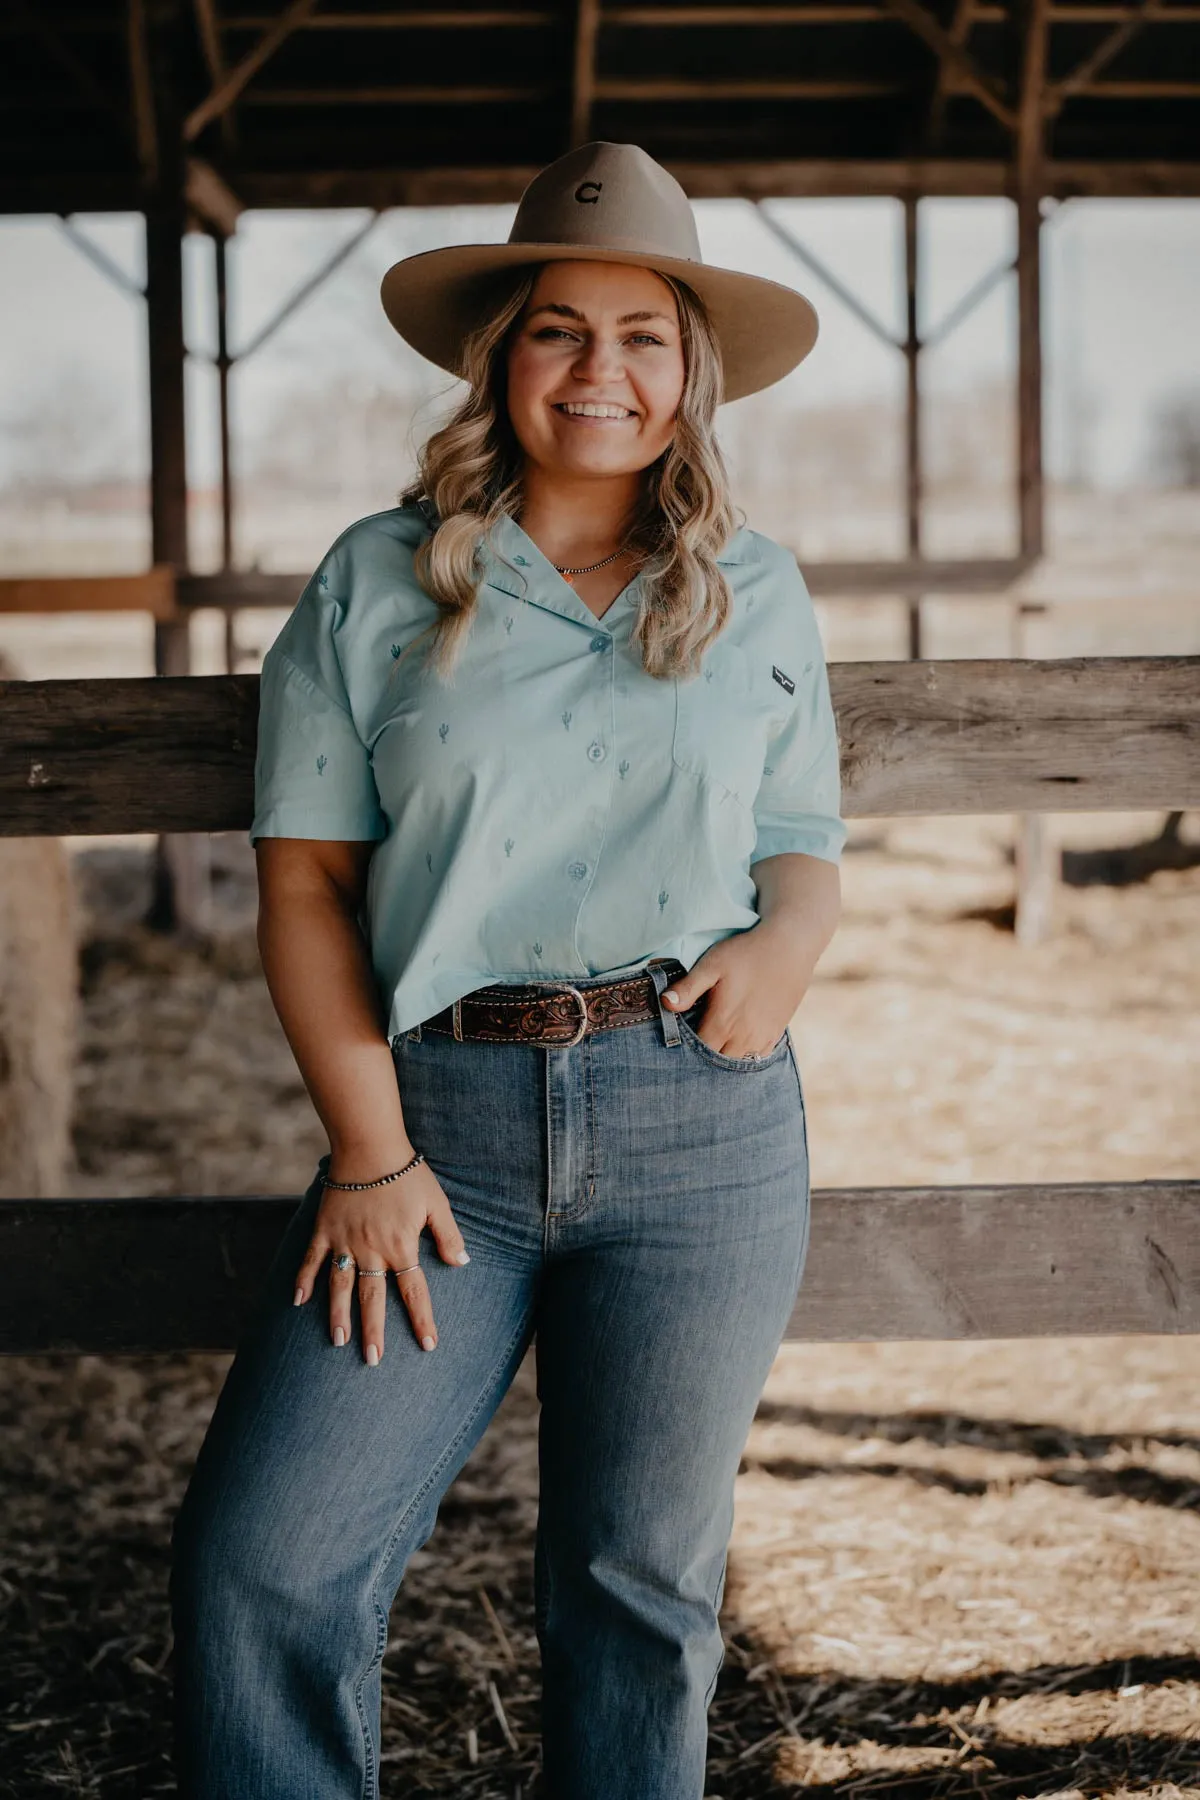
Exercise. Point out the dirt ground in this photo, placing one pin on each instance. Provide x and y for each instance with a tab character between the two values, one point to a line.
956	1568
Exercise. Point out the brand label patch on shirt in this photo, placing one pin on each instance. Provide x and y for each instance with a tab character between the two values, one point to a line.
785	681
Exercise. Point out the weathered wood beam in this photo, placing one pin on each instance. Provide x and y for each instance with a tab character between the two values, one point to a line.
1081	76
1029	157
959	32
161	590
995	1262
166	754
152	592
583	71
1066	736
1138	90
1083	735
141	91
656	18
211	198
883	1264
650	90
181	889
91	190
436	18
982	576
208	28
223	95
954	58
961	576
659	18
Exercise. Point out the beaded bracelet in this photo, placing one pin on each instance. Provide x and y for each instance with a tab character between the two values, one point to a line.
356	1187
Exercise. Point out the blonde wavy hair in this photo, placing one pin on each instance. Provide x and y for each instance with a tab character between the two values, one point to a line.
470	469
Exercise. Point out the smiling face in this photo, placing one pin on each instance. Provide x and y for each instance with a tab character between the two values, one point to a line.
596	369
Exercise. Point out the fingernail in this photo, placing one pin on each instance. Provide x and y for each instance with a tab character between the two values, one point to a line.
672	996
427	1343
462	1257
339	1336
297	1297
372	1354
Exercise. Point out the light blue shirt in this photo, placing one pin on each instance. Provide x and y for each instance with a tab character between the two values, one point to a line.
555	811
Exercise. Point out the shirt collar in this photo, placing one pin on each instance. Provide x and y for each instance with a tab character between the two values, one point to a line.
515	565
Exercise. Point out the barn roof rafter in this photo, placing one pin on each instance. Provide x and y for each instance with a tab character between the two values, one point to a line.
328	102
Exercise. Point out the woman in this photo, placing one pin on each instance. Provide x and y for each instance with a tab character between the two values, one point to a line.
547	830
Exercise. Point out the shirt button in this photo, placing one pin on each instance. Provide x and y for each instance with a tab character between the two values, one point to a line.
599	643
577	869
597	752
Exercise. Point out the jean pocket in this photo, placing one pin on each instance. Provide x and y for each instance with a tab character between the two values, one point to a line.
747	1065
720	729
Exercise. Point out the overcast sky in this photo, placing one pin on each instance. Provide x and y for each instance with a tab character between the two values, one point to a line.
1121	298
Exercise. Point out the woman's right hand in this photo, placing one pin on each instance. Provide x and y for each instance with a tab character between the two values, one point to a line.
381	1228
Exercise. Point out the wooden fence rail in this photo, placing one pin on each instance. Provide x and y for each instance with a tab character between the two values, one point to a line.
1086	734
883	1263
177	755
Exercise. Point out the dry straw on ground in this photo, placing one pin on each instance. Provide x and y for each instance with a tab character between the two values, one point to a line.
956	1568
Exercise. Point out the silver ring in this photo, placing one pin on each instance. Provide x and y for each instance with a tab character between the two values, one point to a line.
409	1269
343	1260
373	1271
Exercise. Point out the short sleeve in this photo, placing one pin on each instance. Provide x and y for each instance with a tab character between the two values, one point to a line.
312	773
798	804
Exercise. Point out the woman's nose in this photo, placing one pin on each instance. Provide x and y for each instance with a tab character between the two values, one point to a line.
599	360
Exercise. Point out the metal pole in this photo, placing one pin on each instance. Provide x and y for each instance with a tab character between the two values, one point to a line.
914	478
224	363
1029	181
1035	871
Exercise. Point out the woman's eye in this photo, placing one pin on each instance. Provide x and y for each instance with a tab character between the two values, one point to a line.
555	331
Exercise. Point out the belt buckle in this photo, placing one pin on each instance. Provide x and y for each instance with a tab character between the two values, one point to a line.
584	1022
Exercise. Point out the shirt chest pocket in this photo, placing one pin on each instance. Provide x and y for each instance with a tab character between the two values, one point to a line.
720	724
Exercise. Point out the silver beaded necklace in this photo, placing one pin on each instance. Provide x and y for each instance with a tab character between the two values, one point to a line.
566	571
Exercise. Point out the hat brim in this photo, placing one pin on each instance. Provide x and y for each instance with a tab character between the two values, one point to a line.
764	329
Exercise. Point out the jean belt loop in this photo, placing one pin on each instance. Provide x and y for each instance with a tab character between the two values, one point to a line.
669	1020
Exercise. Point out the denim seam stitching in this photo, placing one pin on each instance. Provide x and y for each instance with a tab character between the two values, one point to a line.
803	1261
736	1065
406	1515
572	1214
593	1146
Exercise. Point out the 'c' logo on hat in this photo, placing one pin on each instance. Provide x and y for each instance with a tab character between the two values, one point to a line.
588	192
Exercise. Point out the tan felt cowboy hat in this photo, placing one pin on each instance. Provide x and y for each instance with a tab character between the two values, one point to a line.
604	203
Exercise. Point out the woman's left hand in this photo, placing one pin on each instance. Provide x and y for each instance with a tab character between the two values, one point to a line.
754	980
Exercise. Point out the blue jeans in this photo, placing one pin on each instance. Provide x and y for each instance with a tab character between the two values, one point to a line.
638	1201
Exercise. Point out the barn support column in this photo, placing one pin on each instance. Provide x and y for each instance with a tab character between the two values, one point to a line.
224	364
181	883
913	464
1036	873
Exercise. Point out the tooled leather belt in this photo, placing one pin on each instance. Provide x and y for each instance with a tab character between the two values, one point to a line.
553	1013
